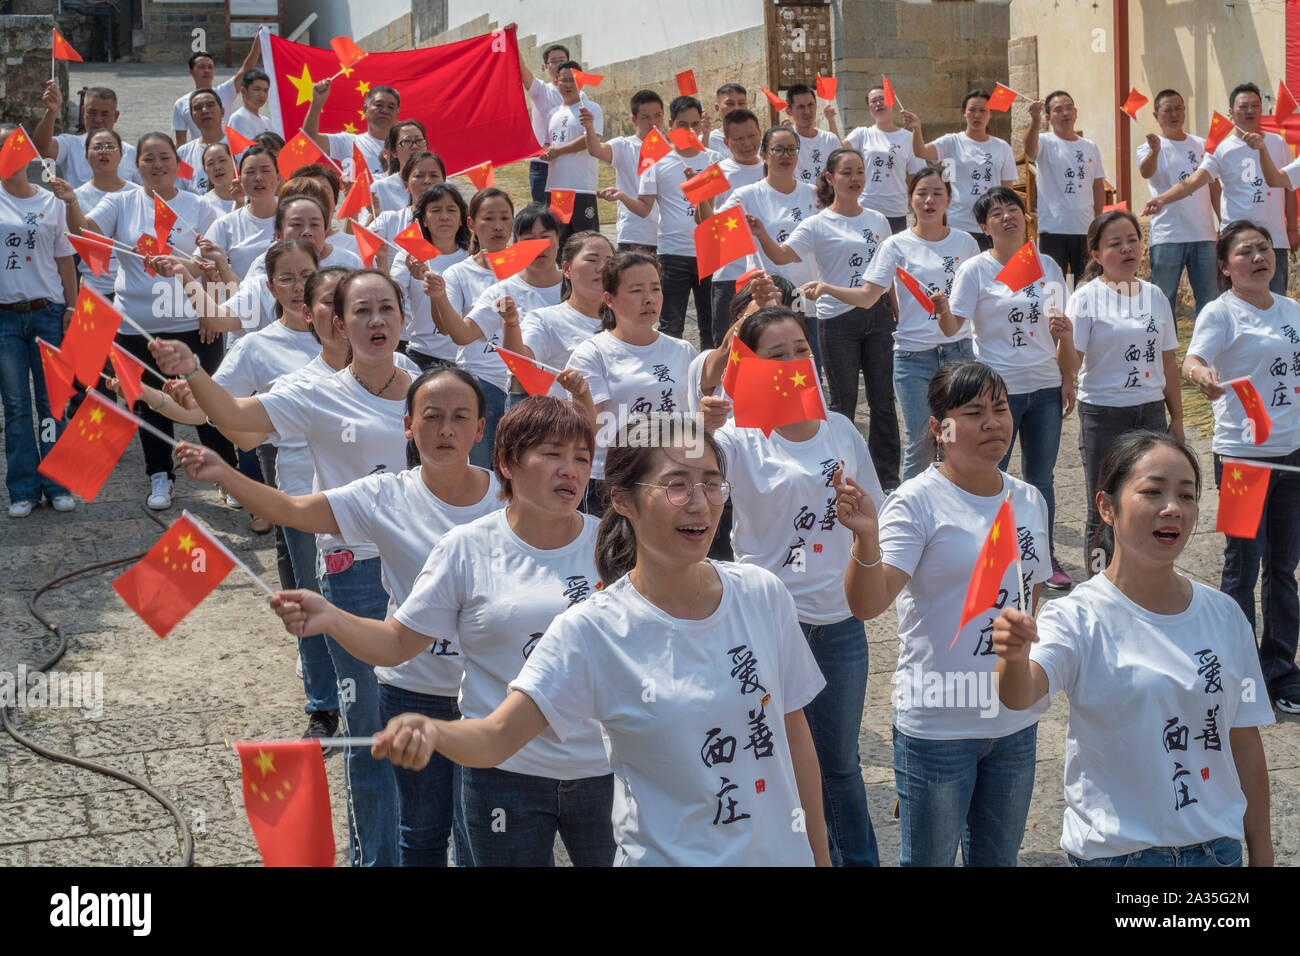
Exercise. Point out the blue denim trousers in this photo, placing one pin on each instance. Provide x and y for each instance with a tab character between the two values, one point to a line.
319	681
22	385
537	175
1275	549
1224	851
428	800
493	409
512	818
1036	418
912	374
835	719
1169	259
372	792
974	792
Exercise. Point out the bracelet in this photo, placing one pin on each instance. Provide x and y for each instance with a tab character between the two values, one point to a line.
197	368
864	564
161	405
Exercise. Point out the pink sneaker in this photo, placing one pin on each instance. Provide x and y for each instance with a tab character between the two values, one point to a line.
1059	581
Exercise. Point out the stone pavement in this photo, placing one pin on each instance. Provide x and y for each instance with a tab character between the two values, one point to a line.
227	671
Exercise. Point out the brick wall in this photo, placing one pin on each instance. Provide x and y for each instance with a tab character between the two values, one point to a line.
167	32
1023	55
25	52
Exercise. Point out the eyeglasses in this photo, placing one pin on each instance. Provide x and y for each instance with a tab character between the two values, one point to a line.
783	150
105	148
412	143
680	491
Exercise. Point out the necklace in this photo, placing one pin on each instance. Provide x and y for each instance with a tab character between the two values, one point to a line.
353	370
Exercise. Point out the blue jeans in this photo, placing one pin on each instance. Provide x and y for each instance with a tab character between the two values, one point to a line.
20	364
428	804
319	681
372	792
537	174
974	792
1168	259
512	818
1036	417
1224	851
912	374
493	409
1277	548
835	719
1277	285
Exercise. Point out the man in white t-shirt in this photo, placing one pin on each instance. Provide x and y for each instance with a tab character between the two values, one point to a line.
544	98
729	97
624	154
975	161
380	110
742	136
1245	193
68	150
253	95
814	144
572	166
203	68
1071	182
208	116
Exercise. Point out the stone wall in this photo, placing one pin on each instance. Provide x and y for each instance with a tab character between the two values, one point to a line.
1023	56
25	52
166	35
395	36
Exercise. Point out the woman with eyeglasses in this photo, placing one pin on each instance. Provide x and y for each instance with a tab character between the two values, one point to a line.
104	154
406	139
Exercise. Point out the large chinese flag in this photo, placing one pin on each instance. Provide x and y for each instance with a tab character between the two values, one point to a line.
287	798
85	454
1001	548
469	94
183	568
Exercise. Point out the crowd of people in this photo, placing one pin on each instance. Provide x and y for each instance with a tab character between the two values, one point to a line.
610	613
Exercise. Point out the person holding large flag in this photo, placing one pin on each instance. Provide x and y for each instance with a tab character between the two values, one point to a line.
381	104
71	151
1251	333
1163	760
963	765
545	98
40	286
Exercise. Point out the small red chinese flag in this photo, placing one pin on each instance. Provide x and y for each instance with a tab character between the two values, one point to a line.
826	87
129	371
705	185
686	85
300	151
1261	424
562	204
517	257
85	454
653	148
183	169
1001	548
481	175
357	198
238	141
94	254
890	98
63	49
1121	205
1134	103
16	153
412	240
1020	270
683	139
741	282
358	161
739	351
147	245
778	104
586	79
347	51
287	798
720	239
1241	499
164	218
90	335
368	244
534	379
768	394
58	376
1285	104
180	570
1220	127
914	287
1002	98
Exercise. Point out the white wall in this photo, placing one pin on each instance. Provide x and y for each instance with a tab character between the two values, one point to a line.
611	30
368	17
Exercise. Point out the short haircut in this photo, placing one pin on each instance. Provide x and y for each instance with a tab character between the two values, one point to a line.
376	90
101	93
531	215
529	423
211	92
998	194
195	57
726	88
1163	95
736	117
569	65
799	89
253	75
1047	103
681	104
1242	88
976	94
271	140
546	54
641	97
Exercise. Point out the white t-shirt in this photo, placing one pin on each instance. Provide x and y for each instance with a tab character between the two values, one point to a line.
243	237
156	303
887	158
1244	193
392	221
1148	758
406	520
574	170
718	143
977	167
75	167
33	231
934	265
780	214
419	329
1122	340
632	378
250	124
341	149
479	357
1191	219
220	207
392	195
553	332
813	151
738	175
191	151
465	282
1238	341
1066	170
933	531
1010	329
626	152
676	214
88	197
840	249
181	119
704	775
253	301
257	360
497	594
545	98
350	433
783	501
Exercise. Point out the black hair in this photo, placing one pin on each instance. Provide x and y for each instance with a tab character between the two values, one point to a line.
282	248
681	104
195	57
255	150
418	382
726	88
570	250
313	289
476	203
433	194
736	117
390	143
751	330
211	92
355	275
283	205
203	157
271	141
415	158
799	89
998	194
1165	94
1047	100
1100	225
611	277
1117	467
546	54
376	90
770	132
106	129
531	215
569	65
1223	247
825	191
252	76
156	134
976	94
741	300
956	384
641	97
1242	88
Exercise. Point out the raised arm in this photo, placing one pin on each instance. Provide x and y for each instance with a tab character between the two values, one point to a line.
1030	142
1148	166
311	122
602	151
43	134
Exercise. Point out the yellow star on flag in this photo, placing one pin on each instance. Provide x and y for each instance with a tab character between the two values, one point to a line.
87	306
347	71
799	379
303	85
265	762
96	416
363	88
1236	474
735	355
731	223
349	128
186	542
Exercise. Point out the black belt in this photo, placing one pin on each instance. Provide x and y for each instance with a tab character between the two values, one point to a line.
29	306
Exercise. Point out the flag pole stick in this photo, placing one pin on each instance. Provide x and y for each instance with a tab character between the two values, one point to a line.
324	741
141	423
344	69
230	554
542	365
1020	577
149	337
1260	464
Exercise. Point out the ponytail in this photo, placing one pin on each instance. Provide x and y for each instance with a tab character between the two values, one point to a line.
615	546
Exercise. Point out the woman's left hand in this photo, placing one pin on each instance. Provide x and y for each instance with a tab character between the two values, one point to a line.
571	381
1176	429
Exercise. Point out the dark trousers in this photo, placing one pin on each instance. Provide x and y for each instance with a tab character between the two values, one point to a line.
1099	426
896	223
1070	252
862	340
584	218
681	281
720	295
537	173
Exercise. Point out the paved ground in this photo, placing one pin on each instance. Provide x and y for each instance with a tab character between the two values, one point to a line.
227	671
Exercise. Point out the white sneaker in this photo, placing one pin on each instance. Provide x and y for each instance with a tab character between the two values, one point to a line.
21	509
160	492
64	503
